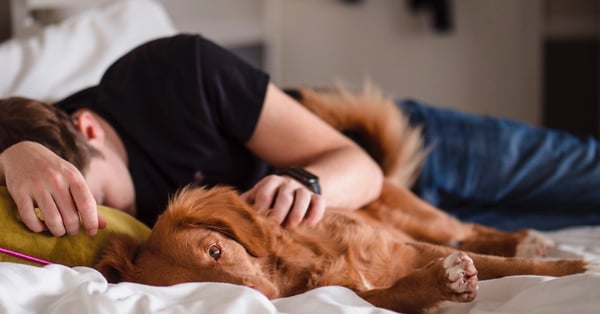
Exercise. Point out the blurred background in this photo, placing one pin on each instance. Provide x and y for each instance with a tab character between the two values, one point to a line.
535	61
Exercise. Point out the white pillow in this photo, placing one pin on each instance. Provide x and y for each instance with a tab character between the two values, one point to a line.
73	54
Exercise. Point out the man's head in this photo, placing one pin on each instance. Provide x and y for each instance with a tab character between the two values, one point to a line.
82	138
23	119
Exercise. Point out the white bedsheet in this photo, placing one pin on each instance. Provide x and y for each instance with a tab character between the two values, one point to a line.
59	289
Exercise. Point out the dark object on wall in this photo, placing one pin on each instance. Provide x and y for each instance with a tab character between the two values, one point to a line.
5	20
571	81
441	11
12	18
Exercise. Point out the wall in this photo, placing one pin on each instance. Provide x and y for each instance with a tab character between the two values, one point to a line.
230	22
489	64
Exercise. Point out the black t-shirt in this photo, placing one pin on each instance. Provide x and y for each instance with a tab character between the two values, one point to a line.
183	107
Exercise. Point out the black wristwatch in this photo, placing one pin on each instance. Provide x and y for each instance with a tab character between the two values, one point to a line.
310	180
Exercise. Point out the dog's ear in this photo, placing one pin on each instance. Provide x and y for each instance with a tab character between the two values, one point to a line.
116	258
221	209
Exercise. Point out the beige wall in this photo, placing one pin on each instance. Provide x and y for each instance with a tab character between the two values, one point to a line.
489	64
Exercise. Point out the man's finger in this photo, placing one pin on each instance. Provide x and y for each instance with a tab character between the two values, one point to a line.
50	214
316	210
86	207
299	208
27	213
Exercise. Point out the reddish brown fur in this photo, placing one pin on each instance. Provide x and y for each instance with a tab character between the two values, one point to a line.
391	252
348	248
389	139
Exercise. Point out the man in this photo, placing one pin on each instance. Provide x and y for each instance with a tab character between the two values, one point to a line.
179	111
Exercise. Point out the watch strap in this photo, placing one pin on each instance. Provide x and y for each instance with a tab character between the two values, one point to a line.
305	177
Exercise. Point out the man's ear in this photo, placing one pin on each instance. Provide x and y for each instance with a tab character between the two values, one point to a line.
88	125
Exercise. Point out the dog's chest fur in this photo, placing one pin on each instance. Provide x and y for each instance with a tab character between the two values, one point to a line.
347	248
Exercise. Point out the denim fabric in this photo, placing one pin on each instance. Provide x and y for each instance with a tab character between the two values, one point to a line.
504	173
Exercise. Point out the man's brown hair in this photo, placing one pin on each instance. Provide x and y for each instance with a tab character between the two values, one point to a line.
23	119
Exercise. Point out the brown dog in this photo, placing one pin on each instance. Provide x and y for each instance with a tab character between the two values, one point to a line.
398	252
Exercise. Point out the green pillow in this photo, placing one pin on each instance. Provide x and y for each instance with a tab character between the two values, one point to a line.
78	250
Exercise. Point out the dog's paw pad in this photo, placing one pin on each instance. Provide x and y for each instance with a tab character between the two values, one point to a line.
535	244
462	276
592	266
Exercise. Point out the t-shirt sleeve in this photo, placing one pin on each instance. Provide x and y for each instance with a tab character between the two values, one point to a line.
187	84
235	89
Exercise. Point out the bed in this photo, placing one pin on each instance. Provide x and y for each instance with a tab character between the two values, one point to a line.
61	289
72	55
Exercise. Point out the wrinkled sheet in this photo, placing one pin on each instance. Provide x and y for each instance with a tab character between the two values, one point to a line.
60	289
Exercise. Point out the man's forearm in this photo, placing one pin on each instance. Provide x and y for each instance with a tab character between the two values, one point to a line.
349	177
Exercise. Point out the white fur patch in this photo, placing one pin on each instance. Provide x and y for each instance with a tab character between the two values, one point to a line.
535	244
456	265
454	269
365	283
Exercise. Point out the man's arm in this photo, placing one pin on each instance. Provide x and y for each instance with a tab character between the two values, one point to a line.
287	135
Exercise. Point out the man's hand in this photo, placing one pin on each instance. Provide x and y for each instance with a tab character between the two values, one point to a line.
36	177
290	202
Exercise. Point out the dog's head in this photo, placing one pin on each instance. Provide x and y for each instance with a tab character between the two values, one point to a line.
205	235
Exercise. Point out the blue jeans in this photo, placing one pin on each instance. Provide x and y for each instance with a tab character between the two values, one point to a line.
506	174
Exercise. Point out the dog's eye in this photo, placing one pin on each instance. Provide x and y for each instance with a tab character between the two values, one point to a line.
214	251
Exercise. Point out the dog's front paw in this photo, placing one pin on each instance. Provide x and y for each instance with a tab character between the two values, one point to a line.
534	244
462	276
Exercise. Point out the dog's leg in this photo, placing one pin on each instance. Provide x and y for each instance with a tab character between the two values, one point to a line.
453	278
523	243
402	209
494	266
490	266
